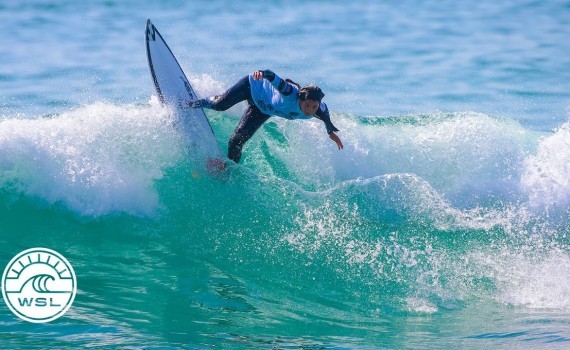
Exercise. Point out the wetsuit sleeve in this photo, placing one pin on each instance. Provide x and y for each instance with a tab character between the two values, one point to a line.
281	85
324	115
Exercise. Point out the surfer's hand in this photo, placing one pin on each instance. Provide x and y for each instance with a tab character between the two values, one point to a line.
336	139
267	74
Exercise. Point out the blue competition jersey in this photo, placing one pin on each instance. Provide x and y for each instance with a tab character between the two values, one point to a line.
270	100
279	98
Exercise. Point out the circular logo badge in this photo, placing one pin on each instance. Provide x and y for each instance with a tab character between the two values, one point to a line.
39	285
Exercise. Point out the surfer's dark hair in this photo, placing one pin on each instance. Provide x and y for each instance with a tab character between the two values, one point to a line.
311	92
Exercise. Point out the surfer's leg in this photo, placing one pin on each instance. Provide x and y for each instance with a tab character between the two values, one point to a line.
237	93
251	120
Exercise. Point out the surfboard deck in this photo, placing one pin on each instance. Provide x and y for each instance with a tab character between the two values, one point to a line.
175	91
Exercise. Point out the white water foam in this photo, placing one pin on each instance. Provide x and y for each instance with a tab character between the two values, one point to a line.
525	277
97	159
546	176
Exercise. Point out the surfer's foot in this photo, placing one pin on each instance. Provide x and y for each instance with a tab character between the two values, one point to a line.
215	166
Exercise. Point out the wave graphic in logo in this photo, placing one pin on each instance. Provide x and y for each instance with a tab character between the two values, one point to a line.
39	283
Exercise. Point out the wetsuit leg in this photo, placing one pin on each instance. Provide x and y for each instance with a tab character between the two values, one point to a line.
249	123
241	91
251	120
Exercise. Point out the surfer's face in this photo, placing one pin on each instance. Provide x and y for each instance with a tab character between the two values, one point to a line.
309	107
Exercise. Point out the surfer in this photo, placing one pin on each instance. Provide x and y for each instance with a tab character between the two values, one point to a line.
267	94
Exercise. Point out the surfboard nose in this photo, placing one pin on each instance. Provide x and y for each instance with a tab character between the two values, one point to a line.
150	30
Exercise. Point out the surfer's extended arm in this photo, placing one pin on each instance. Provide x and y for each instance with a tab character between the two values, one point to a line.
324	115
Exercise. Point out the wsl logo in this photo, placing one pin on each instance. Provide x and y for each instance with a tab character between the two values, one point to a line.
39	285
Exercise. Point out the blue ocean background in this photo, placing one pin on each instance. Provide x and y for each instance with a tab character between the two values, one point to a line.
443	224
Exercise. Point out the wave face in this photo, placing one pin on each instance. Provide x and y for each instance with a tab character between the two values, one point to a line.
419	215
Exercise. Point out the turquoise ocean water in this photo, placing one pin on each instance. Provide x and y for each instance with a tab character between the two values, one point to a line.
443	224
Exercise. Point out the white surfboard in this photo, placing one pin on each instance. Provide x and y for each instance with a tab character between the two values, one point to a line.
175	91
